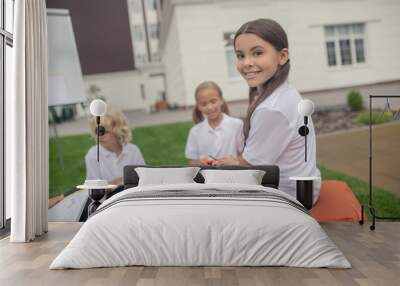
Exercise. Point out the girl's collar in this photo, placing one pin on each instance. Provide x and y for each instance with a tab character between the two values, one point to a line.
108	153
224	116
274	95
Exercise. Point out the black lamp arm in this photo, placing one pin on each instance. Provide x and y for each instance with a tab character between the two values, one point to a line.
303	131
98	137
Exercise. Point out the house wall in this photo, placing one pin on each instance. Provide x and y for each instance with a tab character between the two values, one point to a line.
172	59
194	45
123	91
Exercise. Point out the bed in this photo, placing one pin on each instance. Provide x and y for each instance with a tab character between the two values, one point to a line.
201	224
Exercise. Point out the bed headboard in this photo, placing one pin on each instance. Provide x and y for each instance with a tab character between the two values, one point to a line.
270	179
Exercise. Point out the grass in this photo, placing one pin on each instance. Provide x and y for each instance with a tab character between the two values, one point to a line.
165	145
73	150
160	145
377	117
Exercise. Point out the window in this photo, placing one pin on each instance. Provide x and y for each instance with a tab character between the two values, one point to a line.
151	4
345	52
345	44
155	57
136	6
330	47
154	31
6	42
138	33
360	57
140	59
230	55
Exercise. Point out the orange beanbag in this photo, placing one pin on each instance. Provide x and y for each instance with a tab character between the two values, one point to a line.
336	203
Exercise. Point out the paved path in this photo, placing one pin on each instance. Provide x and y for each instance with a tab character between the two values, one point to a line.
140	118
348	152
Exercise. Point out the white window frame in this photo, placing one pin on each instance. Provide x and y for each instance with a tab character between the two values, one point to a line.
352	36
138	33
151	5
228	43
155	56
136	6
6	39
140	59
154	31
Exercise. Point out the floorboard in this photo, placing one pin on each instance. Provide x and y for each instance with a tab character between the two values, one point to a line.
374	255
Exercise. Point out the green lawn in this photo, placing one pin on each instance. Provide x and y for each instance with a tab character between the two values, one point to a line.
165	145
160	145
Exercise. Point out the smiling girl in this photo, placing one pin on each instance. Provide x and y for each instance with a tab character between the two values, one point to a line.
216	133
272	121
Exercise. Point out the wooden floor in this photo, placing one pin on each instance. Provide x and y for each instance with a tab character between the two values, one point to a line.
374	255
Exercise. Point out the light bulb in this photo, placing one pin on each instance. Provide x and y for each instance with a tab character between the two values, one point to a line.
305	107
98	107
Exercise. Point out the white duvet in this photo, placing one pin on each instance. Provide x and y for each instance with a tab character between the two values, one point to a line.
224	231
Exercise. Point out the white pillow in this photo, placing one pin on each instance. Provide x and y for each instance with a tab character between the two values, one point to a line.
248	177
163	176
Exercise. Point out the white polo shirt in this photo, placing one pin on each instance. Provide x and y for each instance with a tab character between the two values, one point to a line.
225	140
111	166
274	139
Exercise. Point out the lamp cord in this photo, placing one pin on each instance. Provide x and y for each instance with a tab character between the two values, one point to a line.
98	146
98	137
305	151
305	137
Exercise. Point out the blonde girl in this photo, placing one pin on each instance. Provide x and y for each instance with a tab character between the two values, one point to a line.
116	151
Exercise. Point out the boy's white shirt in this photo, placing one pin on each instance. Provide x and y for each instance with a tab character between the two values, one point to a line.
225	140
274	139
111	166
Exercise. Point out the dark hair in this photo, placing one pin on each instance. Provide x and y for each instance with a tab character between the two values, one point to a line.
197	115
271	32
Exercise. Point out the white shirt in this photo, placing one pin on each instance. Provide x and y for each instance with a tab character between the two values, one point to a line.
274	139
111	166
225	140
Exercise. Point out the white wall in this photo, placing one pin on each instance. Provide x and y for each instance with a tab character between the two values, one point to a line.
200	54
203	52
153	83
122	89
173	65
310	71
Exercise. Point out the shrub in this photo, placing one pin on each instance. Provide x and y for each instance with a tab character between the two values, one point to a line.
354	101
377	117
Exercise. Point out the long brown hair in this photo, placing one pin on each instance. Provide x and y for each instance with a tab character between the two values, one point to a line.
271	32
197	115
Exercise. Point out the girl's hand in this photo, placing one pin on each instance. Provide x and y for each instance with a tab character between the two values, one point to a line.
227	160
205	161
117	181
201	162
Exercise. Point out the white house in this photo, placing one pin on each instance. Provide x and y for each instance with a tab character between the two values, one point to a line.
335	46
130	90
141	87
145	30
124	70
